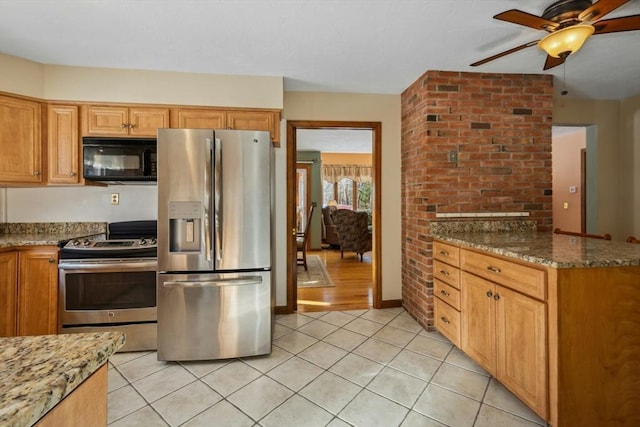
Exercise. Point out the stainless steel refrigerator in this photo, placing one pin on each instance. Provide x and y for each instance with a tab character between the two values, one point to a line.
215	297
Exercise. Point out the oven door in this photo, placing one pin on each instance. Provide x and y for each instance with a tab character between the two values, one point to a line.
94	292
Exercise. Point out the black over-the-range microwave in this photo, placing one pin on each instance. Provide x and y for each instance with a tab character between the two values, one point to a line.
122	160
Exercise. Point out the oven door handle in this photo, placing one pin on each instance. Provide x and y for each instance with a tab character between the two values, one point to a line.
214	283
133	265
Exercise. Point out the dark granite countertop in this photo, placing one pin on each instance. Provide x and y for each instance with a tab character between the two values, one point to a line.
37	372
548	249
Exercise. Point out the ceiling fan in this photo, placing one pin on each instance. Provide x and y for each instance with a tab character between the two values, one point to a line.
569	23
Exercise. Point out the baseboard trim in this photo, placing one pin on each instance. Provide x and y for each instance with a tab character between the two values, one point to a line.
391	303
282	309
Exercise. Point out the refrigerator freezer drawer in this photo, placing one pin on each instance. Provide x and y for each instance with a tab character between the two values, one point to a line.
214	316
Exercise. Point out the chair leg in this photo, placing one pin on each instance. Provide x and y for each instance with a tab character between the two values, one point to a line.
361	257
341	254
304	257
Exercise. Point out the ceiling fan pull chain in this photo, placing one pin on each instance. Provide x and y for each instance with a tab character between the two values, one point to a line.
564	78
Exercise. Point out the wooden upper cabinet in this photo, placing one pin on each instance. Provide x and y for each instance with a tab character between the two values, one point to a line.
218	118
8	293
123	121
20	141
38	292
63	145
197	118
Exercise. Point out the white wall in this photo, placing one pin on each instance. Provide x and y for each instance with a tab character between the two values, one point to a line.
81	204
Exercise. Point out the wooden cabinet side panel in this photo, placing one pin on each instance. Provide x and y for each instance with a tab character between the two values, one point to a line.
63	144
37	292
20	140
84	406
522	348
598	346
146	121
8	293
478	316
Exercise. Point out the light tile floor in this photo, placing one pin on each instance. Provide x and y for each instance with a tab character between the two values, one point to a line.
360	367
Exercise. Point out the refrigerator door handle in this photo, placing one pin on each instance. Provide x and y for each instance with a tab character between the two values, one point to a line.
217	167
214	283
207	201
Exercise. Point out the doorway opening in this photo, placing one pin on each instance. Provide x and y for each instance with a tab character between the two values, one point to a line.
373	296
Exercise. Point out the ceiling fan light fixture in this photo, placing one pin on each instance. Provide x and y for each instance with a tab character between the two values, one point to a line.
566	41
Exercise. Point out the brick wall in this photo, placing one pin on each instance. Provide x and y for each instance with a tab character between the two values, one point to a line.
499	125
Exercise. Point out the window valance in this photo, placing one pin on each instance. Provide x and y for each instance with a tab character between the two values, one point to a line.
358	173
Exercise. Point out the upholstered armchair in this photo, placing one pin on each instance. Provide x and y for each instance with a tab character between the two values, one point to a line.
353	231
329	229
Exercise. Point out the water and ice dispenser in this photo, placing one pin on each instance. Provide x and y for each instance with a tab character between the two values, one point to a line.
185	222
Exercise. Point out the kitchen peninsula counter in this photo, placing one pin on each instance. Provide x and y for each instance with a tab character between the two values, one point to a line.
553	317
38	372
548	249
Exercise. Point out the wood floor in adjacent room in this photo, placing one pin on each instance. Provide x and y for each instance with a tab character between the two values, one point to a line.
352	279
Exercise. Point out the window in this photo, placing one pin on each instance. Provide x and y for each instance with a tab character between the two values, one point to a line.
348	195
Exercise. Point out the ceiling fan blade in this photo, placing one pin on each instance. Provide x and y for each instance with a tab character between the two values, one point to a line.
599	9
528	20
552	62
616	25
505	53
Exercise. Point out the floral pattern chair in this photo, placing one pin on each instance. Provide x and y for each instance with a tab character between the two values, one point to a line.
353	231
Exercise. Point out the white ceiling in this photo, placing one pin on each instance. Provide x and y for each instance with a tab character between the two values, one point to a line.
357	46
335	140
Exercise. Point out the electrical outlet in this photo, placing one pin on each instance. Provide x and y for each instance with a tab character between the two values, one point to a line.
453	156
115	198
565	205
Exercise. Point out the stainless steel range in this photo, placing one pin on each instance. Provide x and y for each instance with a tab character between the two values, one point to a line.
111	284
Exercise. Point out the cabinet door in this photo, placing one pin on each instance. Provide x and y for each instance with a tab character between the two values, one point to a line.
147	121
253	120
8	293
522	347
478	320
107	120
192	118
38	292
20	141
63	144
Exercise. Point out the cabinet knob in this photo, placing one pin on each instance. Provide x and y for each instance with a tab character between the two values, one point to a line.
494	269
123	126
444	253
445	293
445	320
72	174
51	260
36	173
496	297
131	126
489	294
444	273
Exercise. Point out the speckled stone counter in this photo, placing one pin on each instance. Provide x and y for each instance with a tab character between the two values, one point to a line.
36	373
47	234
546	248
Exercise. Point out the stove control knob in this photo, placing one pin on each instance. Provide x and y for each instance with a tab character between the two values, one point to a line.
86	242
143	242
153	241
75	242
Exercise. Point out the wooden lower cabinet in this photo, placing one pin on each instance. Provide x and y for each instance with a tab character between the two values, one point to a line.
8	292
30	283
505	333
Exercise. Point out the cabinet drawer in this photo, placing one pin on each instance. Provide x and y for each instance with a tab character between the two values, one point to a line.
528	280
446	273
447	253
447	321
447	293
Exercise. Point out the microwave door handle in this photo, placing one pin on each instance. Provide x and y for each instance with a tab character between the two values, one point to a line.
218	199
207	200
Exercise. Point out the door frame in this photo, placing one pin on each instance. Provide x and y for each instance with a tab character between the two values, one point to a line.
376	129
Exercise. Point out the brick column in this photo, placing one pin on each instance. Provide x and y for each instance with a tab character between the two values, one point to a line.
471	142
